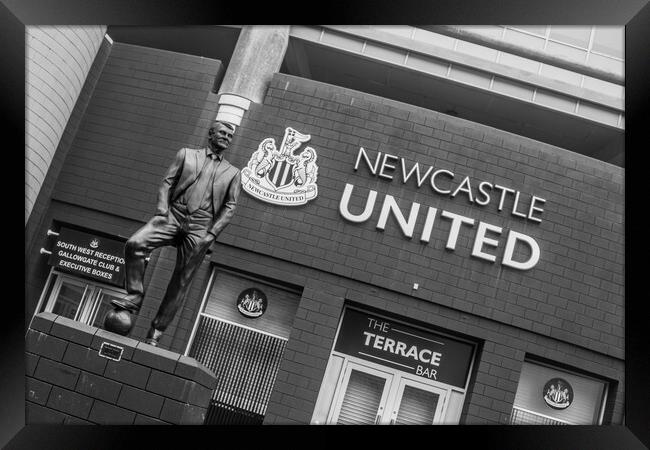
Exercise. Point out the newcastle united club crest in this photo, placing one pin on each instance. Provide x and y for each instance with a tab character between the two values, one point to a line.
252	302
558	393
284	176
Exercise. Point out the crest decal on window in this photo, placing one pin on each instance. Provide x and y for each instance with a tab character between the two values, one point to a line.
558	393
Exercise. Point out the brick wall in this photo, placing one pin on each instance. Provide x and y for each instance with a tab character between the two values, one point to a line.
568	309
493	383
147	104
58	59
69	382
575	292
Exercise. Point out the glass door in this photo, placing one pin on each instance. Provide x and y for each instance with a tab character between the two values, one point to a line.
362	396
416	403
368	395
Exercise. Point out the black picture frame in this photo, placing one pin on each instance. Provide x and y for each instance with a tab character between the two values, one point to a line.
634	14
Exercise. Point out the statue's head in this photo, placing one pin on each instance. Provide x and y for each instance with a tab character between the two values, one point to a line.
220	136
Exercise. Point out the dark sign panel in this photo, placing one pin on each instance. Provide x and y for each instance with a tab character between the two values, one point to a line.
406	348
96	257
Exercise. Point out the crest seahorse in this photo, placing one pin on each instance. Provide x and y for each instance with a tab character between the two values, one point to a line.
300	169
263	158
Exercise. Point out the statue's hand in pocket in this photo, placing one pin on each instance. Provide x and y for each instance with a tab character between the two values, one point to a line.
206	241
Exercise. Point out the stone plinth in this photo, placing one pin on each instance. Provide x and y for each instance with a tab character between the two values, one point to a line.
78	374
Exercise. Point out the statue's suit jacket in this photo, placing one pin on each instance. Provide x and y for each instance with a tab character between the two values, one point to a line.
185	170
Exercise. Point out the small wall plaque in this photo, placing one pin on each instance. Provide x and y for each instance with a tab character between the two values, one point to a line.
111	351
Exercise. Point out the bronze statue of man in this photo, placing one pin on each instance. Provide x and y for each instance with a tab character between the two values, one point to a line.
196	201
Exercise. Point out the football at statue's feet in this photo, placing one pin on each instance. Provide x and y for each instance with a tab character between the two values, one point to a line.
118	321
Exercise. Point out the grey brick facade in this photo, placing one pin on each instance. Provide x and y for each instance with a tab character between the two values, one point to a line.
568	309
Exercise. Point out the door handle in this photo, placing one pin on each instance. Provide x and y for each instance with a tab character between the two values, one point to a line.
378	418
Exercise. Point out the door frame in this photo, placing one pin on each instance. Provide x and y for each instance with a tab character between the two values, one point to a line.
396	379
449	389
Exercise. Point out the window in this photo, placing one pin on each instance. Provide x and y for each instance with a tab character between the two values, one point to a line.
550	396
609	41
242	343
574	35
77	298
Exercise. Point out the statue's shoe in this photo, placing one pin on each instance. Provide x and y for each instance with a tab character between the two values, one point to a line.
127	303
153	337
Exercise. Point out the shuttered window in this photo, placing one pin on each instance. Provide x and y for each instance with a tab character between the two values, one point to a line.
280	312
245	363
523	417
418	407
362	399
529	406
243	352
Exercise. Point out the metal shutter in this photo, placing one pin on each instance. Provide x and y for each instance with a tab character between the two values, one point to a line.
417	407
361	400
245	363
